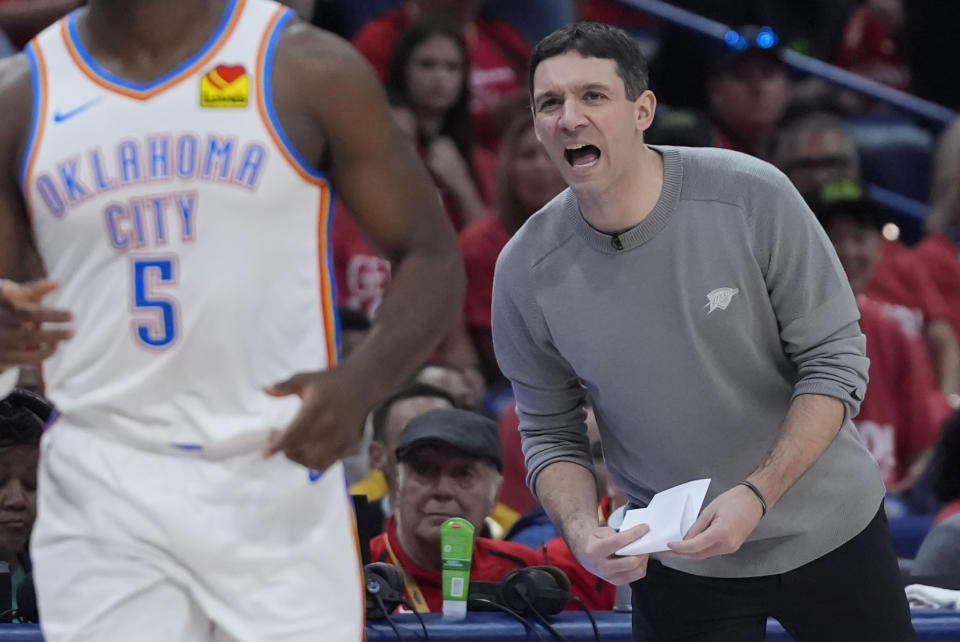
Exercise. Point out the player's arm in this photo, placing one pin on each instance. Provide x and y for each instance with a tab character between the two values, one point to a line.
15	104
384	185
382	182
23	337
819	329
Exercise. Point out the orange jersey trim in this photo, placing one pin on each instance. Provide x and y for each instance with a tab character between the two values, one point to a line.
263	102
189	72
267	116
40	123
328	307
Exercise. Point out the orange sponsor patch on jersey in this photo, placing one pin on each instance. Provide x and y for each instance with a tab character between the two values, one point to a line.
225	86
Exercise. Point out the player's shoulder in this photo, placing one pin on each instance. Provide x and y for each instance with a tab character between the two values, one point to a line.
15	78
541	235
711	173
314	54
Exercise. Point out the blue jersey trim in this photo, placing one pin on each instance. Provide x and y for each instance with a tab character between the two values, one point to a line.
333	275
187	446
267	83
116	80
38	89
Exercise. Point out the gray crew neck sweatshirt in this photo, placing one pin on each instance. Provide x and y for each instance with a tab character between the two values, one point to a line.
691	332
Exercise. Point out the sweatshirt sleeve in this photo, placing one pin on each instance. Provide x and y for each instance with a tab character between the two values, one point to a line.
810	294
549	396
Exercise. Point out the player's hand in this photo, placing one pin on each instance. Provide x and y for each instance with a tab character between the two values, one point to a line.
596	551
722	527
25	337
330	421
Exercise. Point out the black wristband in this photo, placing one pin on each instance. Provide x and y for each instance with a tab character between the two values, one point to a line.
756	491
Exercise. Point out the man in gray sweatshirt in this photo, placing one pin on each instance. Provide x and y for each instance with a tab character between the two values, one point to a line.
694	297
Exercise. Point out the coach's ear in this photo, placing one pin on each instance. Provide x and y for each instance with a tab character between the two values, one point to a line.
645	107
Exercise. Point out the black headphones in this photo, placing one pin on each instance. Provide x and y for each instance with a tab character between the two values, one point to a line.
383	585
536	590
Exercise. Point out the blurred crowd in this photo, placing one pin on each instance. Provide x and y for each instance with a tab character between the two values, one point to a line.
455	74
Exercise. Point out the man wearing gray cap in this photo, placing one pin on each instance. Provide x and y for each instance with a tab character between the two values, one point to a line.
450	464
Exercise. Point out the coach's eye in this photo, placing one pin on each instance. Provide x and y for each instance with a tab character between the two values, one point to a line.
548	103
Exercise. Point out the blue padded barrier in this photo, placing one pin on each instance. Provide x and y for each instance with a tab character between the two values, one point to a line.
931	625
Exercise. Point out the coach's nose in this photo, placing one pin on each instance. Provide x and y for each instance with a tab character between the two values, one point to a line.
572	116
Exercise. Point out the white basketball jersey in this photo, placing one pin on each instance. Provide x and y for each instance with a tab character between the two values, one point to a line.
189	238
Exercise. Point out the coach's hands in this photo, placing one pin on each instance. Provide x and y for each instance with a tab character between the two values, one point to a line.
596	551
330	421
722	527
25	337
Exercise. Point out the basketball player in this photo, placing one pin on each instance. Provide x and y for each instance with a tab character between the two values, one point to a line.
167	169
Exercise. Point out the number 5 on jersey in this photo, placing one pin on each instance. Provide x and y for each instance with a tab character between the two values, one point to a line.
156	323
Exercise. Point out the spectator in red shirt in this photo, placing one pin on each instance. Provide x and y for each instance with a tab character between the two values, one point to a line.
940	250
905	286
428	88
526	181
896	418
428	78
818	149
498	54
748	91
872	43
514	492
449	465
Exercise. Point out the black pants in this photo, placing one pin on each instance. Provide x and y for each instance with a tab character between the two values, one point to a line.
852	593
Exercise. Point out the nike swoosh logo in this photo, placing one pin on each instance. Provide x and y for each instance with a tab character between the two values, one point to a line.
60	116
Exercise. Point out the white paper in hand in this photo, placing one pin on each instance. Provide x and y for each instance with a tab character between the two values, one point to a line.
670	514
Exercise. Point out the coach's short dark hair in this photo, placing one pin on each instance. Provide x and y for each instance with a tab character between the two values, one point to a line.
597	40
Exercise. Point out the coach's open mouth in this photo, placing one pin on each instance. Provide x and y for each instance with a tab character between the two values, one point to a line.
582	155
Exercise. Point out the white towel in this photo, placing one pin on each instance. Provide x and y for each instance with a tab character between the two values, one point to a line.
932	597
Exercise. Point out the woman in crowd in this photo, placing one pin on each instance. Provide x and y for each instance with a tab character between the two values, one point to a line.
526	181
427	84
